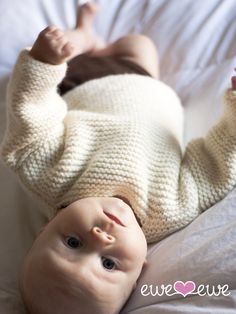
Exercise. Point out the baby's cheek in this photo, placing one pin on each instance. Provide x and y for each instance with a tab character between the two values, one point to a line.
131	253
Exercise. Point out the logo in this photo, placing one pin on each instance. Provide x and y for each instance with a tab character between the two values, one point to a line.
185	289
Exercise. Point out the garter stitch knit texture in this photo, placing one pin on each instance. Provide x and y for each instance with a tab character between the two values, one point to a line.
118	135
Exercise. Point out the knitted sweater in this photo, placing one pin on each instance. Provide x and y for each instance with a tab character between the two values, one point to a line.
117	135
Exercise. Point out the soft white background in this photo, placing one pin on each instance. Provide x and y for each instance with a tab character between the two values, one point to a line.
196	41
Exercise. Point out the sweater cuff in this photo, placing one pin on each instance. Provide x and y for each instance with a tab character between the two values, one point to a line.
45	74
230	111
230	96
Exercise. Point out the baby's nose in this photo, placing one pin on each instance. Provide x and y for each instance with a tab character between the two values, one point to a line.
102	236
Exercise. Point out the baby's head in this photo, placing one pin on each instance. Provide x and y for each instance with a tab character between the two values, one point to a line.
86	260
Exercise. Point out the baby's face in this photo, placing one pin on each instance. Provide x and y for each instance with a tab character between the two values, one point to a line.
97	243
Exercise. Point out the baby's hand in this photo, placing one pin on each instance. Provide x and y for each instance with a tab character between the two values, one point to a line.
52	46
233	81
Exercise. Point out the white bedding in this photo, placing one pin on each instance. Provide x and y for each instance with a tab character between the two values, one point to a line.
197	48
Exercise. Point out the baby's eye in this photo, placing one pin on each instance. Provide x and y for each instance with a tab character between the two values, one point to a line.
108	263
73	242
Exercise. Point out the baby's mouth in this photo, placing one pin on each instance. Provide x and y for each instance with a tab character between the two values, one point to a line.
114	218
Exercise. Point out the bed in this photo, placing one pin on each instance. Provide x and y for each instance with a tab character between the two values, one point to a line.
197	50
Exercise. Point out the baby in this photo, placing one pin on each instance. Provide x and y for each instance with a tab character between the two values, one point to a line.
105	156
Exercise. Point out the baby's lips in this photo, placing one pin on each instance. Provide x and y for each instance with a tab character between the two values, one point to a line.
114	218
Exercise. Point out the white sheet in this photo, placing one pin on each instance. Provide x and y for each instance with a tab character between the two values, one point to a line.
197	48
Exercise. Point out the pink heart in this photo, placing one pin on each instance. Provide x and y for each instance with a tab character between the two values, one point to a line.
184	288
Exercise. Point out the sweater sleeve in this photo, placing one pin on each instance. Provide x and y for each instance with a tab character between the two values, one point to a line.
35	111
209	164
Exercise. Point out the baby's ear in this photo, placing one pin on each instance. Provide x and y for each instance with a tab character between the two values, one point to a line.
135	285
145	263
41	230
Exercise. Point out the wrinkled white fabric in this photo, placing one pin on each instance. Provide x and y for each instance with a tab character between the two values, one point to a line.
196	43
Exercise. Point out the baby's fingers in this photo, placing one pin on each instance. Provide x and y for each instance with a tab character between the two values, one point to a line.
67	50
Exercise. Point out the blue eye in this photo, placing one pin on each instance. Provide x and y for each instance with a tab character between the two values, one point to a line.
73	242
108	263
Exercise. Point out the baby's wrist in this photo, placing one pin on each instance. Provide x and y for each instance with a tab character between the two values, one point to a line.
233	83
37	55
33	55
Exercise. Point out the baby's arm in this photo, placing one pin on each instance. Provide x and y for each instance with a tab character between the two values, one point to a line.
233	81
209	164
35	111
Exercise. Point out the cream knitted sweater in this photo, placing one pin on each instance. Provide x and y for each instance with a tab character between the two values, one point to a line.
118	135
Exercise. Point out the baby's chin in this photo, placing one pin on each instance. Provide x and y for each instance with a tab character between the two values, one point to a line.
126	201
